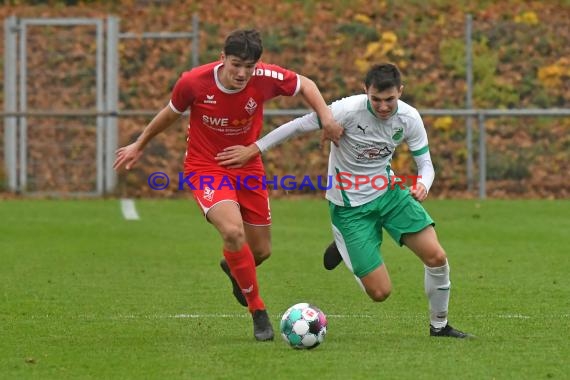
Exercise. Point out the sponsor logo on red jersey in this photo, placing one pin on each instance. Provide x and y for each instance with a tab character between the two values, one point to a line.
210	99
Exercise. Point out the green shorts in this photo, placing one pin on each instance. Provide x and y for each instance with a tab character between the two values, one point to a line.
358	230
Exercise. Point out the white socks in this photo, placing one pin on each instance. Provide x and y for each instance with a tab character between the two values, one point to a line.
437	287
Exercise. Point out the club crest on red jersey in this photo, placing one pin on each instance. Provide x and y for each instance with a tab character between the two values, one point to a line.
251	106
208	194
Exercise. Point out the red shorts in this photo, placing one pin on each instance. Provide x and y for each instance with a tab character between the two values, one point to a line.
210	187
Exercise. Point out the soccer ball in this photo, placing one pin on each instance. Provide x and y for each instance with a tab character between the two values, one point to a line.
303	326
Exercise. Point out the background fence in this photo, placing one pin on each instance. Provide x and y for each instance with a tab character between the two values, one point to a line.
81	124
65	114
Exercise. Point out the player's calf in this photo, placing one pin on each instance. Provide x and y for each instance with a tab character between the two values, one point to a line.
235	287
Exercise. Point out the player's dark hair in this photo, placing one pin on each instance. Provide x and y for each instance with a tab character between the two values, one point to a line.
383	77
245	44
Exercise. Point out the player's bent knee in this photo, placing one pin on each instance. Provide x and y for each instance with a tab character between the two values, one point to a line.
438	259
233	235
261	255
379	295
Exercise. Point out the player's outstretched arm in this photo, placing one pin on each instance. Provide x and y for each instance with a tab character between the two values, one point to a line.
332	130
238	155
128	155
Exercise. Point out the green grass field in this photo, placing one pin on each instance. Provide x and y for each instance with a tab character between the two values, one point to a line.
86	294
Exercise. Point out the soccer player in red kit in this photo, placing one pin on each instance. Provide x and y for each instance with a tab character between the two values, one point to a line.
225	99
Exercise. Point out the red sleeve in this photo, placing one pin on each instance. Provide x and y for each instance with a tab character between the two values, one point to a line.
182	95
276	80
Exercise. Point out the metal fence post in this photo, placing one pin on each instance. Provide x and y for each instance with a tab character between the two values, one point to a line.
10	101
23	107
482	157
469	99
195	40
111	101
100	82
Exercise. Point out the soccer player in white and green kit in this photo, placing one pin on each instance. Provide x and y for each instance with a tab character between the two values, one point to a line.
365	197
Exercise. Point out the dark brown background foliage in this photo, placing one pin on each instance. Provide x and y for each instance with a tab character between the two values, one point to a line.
521	60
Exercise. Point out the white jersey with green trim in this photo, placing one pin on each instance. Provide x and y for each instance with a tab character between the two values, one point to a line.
366	149
359	168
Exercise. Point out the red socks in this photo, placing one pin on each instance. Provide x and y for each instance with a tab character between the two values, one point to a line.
242	267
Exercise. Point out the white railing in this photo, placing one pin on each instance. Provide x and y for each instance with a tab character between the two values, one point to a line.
481	115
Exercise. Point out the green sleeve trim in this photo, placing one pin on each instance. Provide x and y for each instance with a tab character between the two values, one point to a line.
319	121
421	151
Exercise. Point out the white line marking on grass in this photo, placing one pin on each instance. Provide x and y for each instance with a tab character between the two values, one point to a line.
350	316
129	210
247	315
198	316
182	316
221	315
513	316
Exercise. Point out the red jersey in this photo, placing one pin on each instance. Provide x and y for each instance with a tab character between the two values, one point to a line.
220	117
